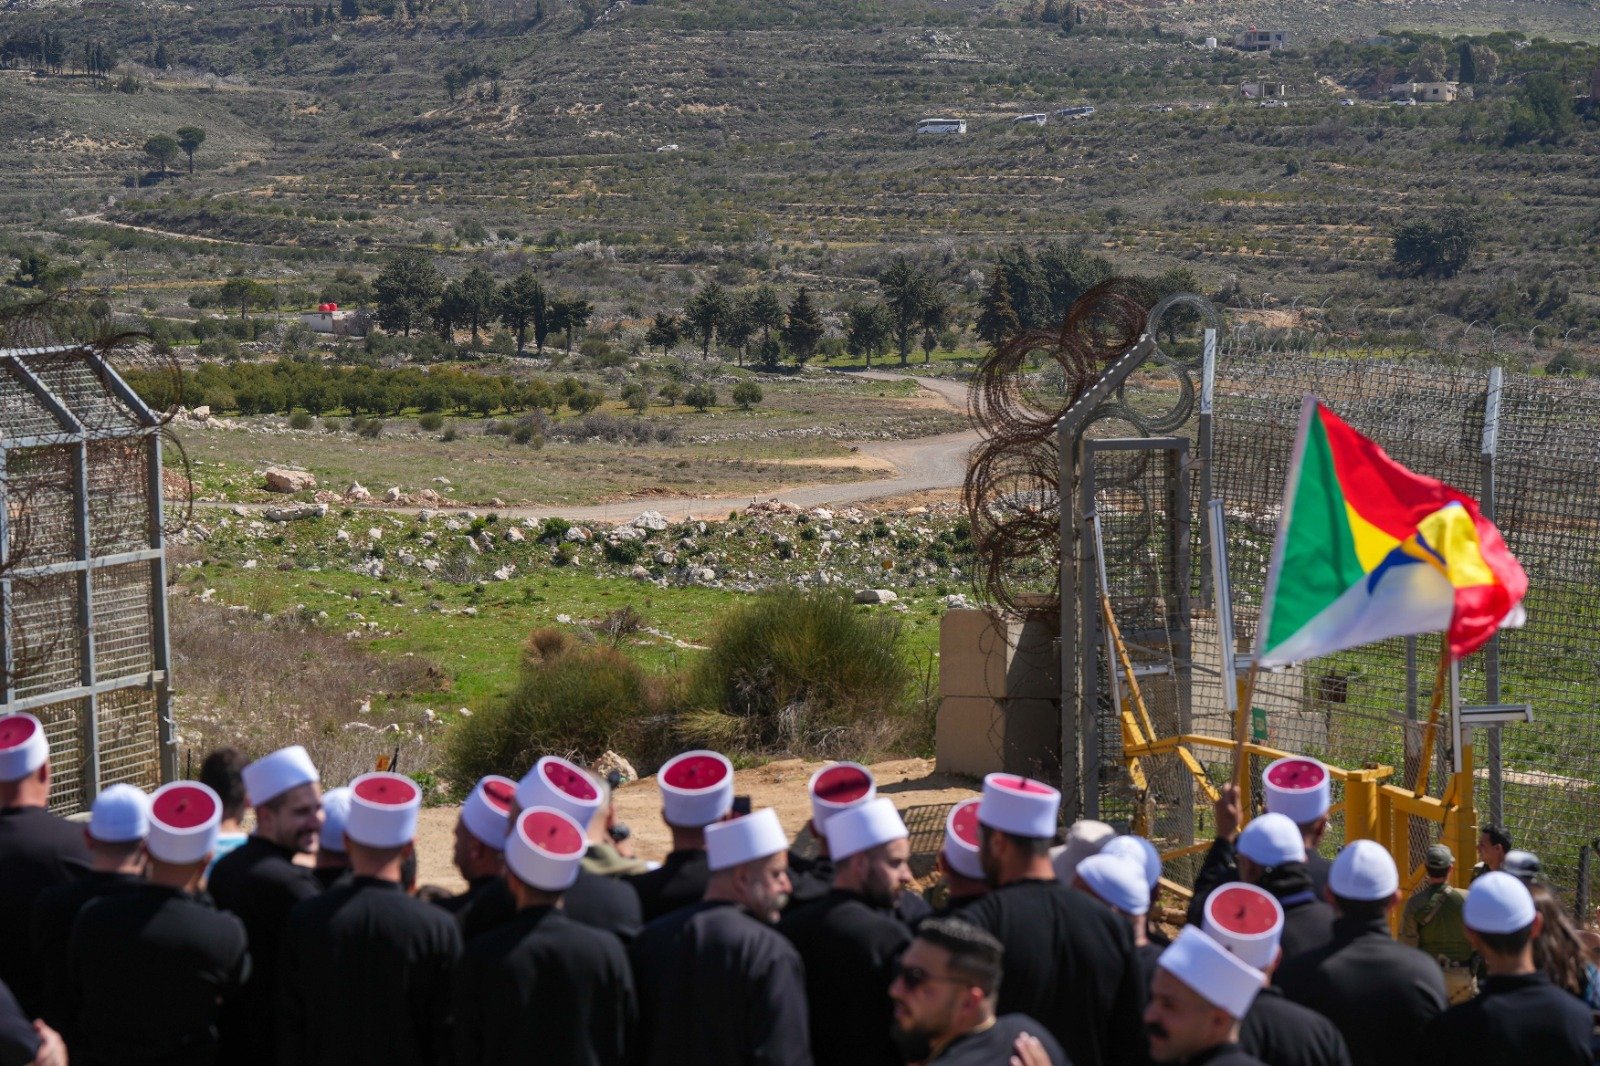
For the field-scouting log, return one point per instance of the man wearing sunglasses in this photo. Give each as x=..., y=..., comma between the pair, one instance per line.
x=944, y=1003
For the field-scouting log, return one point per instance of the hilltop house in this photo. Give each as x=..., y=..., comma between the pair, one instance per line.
x=1426, y=92
x=1264, y=90
x=1254, y=40
x=327, y=318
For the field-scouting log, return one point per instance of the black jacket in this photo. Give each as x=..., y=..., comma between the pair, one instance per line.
x=1280, y=1032
x=595, y=900
x=1377, y=992
x=1514, y=1020
x=53, y=915
x=850, y=949
x=38, y=850
x=678, y=882
x=992, y=1047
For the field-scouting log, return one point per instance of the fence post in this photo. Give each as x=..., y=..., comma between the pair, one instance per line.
x=1491, y=653
x=1580, y=904
x=1361, y=806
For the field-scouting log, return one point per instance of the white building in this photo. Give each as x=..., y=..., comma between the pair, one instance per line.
x=1426, y=92
x=1254, y=40
x=327, y=318
x=942, y=125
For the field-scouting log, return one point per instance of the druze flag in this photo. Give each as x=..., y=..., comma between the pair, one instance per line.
x=1368, y=550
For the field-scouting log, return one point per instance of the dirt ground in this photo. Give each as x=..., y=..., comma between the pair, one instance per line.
x=911, y=783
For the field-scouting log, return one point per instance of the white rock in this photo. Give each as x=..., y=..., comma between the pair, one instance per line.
x=514, y=535
x=876, y=596
x=441, y=481
x=249, y=564
x=425, y=515
x=365, y=707
x=357, y=491
x=625, y=533
x=343, y=536
x=612, y=761
x=639, y=573
x=957, y=602
x=201, y=413
x=577, y=535
x=665, y=558
x=822, y=514
x=392, y=493
x=430, y=565
x=651, y=520
x=279, y=479
x=505, y=572
x=374, y=533
x=564, y=619
x=465, y=712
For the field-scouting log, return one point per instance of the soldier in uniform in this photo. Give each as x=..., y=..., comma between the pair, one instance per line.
x=1432, y=922
x=480, y=839
x=696, y=791
x=149, y=967
x=365, y=969
x=38, y=850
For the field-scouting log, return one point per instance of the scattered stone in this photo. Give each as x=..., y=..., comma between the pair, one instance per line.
x=651, y=520
x=291, y=514
x=430, y=565
x=495, y=501
x=464, y=712
x=441, y=481
x=612, y=761
x=279, y=479
x=470, y=612
x=703, y=575
x=912, y=511
x=957, y=602
x=877, y=596
x=357, y=491
x=505, y=572
x=665, y=558
x=374, y=533
x=639, y=573
x=564, y=619
x=577, y=535
x=821, y=514
x=201, y=413
x=686, y=544
x=515, y=535
x=392, y=494
x=625, y=533
x=425, y=515
x=343, y=536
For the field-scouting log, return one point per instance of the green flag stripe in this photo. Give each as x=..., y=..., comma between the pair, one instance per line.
x=1319, y=556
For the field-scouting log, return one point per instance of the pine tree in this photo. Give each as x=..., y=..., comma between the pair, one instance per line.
x=350, y=10
x=997, y=319
x=804, y=330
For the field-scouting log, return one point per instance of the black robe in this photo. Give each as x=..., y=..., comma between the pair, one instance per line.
x=678, y=882
x=1280, y=1032
x=1225, y=1055
x=1148, y=955
x=1514, y=1020
x=543, y=988
x=992, y=1047
x=260, y=883
x=595, y=900
x=38, y=850
x=19, y=1044
x=718, y=987
x=147, y=970
x=850, y=949
x=1070, y=963
x=1307, y=917
x=53, y=914
x=1377, y=992
x=811, y=879
x=364, y=978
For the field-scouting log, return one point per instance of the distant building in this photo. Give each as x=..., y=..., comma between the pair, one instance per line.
x=1264, y=90
x=942, y=125
x=1038, y=119
x=327, y=318
x=1254, y=40
x=1426, y=92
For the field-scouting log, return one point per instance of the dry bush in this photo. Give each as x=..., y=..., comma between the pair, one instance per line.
x=545, y=645
x=263, y=685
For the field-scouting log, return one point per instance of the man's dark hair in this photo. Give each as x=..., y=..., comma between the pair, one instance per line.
x=1497, y=835
x=222, y=773
x=1507, y=943
x=975, y=955
x=1034, y=846
x=1361, y=910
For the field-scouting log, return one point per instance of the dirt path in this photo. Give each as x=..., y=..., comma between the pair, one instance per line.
x=99, y=219
x=911, y=783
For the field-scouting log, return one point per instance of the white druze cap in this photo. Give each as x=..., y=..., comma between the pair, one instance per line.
x=120, y=815
x=1299, y=787
x=1212, y=972
x=860, y=828
x=555, y=782
x=487, y=811
x=184, y=817
x=383, y=810
x=272, y=775
x=545, y=849
x=1363, y=871
x=1272, y=840
x=745, y=839
x=1498, y=903
x=1140, y=850
x=1116, y=881
x=837, y=787
x=335, y=812
x=1020, y=806
x=1246, y=920
x=23, y=746
x=696, y=789
x=961, y=841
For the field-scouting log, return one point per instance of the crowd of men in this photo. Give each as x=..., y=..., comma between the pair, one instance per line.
x=159, y=932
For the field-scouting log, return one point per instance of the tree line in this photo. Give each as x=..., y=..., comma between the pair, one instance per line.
x=410, y=293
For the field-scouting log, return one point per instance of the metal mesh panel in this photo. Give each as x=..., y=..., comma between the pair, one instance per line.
x=40, y=486
x=76, y=382
x=119, y=495
x=124, y=626
x=63, y=725
x=129, y=739
x=21, y=413
x=45, y=646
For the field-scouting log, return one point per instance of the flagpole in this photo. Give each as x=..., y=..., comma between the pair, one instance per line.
x=1431, y=730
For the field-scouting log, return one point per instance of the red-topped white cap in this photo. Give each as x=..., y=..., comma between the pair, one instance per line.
x=961, y=843
x=23, y=746
x=1299, y=787
x=837, y=787
x=487, y=812
x=1212, y=972
x=545, y=849
x=1020, y=806
x=555, y=782
x=696, y=789
x=383, y=810
x=746, y=839
x=272, y=775
x=866, y=826
x=184, y=817
x=1246, y=920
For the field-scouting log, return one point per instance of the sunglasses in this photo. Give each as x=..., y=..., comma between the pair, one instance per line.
x=914, y=977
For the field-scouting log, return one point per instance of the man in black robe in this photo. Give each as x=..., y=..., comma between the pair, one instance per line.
x=958, y=862
x=118, y=823
x=38, y=850
x=25, y=1043
x=696, y=791
x=850, y=940
x=1069, y=961
x=1271, y=853
x=260, y=882
x=148, y=967
x=1199, y=994
x=480, y=837
x=365, y=969
x=543, y=988
x=944, y=1003
x=1519, y=1016
x=1380, y=994
x=1118, y=881
x=718, y=985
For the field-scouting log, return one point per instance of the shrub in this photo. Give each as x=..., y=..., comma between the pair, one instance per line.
x=746, y=393
x=801, y=673
x=301, y=420
x=450, y=435
x=580, y=701
x=624, y=552
x=553, y=529
x=330, y=425
x=700, y=397
x=431, y=421
x=371, y=427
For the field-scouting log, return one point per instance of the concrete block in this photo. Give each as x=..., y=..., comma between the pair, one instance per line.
x=976, y=736
x=1017, y=659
